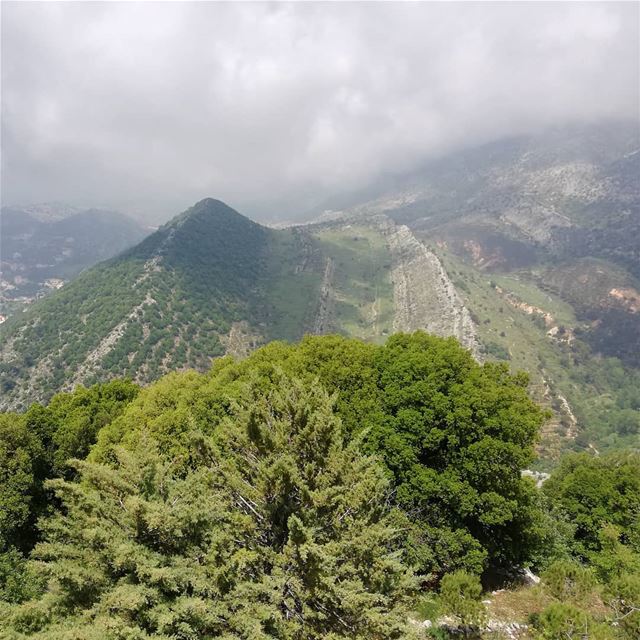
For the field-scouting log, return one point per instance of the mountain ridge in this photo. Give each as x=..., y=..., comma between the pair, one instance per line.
x=446, y=258
x=164, y=303
x=210, y=282
x=40, y=253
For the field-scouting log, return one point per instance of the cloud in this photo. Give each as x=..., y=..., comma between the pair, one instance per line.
x=149, y=107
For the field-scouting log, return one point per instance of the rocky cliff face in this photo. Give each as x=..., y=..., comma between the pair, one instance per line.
x=424, y=295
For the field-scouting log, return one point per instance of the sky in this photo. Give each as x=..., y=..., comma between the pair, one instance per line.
x=274, y=108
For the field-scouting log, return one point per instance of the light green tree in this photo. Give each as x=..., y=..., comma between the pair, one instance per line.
x=273, y=528
x=564, y=621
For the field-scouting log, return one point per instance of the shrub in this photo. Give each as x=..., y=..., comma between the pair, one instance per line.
x=460, y=597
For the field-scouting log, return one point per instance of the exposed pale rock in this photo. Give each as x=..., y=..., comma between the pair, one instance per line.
x=424, y=296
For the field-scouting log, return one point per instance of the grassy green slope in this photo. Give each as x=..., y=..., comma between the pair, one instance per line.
x=602, y=394
x=361, y=282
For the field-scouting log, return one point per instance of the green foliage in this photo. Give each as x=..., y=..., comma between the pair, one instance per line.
x=169, y=302
x=21, y=466
x=285, y=496
x=614, y=559
x=36, y=445
x=623, y=596
x=594, y=491
x=567, y=622
x=453, y=435
x=597, y=592
x=19, y=579
x=274, y=529
x=568, y=580
x=460, y=597
x=69, y=424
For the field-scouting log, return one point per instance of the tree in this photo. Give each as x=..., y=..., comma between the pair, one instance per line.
x=21, y=455
x=21, y=501
x=273, y=528
x=454, y=435
x=618, y=567
x=568, y=580
x=561, y=621
x=460, y=596
x=592, y=492
x=623, y=596
x=35, y=446
x=69, y=424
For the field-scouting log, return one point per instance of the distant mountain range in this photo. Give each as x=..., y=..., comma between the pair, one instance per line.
x=526, y=250
x=43, y=246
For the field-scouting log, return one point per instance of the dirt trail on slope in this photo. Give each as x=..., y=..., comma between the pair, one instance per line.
x=322, y=323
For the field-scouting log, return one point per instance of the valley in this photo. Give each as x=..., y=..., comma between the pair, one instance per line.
x=320, y=321
x=44, y=246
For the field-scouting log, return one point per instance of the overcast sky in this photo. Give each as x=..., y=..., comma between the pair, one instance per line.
x=148, y=107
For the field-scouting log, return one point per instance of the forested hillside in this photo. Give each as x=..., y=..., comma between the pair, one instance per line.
x=524, y=250
x=167, y=303
x=330, y=489
x=212, y=282
x=388, y=389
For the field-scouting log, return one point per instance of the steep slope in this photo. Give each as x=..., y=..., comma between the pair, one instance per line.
x=526, y=250
x=540, y=237
x=212, y=282
x=169, y=302
x=380, y=279
x=40, y=248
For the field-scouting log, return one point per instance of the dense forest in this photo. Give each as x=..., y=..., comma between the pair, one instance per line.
x=327, y=489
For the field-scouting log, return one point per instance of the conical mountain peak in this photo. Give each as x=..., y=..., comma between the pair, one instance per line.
x=209, y=209
x=210, y=228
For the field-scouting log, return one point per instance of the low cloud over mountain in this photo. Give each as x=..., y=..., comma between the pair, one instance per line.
x=275, y=107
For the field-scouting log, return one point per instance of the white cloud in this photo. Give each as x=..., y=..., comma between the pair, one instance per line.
x=273, y=107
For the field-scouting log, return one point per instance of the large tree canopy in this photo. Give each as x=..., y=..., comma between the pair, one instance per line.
x=272, y=528
x=454, y=435
x=304, y=492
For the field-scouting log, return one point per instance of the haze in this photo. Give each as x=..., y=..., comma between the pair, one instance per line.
x=148, y=107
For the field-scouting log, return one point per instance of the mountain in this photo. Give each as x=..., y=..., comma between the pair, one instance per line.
x=541, y=237
x=212, y=282
x=525, y=250
x=43, y=246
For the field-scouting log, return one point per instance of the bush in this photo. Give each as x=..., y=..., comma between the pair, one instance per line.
x=460, y=597
x=568, y=580
x=560, y=621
